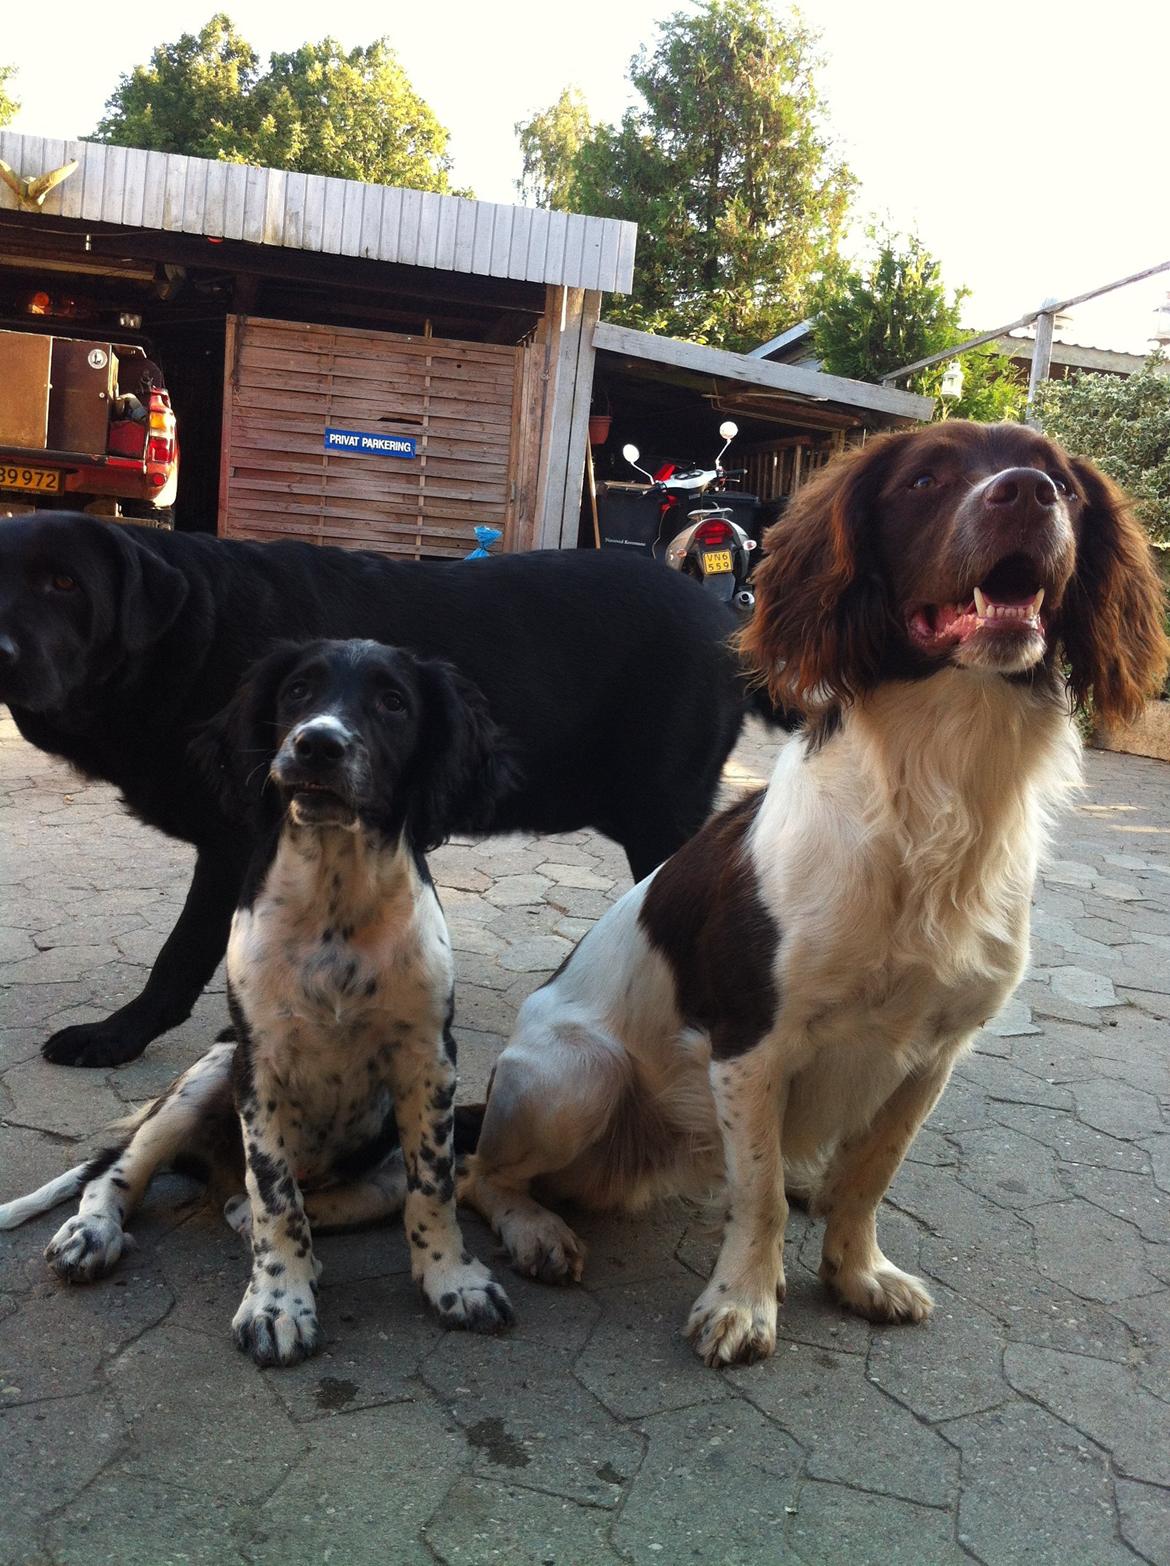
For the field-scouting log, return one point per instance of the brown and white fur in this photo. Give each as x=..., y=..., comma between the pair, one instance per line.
x=336, y=1100
x=781, y=1003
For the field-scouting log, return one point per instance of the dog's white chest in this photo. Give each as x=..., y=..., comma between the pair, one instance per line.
x=333, y=988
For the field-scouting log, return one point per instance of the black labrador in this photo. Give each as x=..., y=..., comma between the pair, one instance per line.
x=612, y=676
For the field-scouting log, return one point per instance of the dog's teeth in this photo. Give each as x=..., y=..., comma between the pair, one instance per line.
x=1037, y=601
x=980, y=603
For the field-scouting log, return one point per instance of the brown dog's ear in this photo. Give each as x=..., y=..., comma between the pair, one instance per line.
x=822, y=614
x=1112, y=620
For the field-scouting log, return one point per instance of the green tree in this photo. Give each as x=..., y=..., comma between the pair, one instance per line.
x=9, y=106
x=355, y=115
x=1122, y=424
x=727, y=166
x=894, y=308
x=319, y=109
x=549, y=145
x=193, y=97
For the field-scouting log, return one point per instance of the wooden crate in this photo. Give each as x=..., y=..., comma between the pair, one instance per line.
x=463, y=403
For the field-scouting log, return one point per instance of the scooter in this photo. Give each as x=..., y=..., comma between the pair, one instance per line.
x=712, y=547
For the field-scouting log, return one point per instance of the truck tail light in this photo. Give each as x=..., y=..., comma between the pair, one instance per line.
x=160, y=439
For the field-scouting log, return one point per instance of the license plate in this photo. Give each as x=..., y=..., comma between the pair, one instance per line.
x=46, y=480
x=716, y=560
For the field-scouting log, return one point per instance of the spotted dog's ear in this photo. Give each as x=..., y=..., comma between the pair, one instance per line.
x=234, y=749
x=464, y=764
x=822, y=612
x=1112, y=620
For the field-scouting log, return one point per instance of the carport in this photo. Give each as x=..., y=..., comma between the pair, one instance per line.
x=669, y=397
x=291, y=312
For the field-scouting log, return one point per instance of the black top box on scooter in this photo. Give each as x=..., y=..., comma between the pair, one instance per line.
x=628, y=517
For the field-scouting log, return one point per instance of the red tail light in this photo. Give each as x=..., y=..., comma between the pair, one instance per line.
x=160, y=439
x=713, y=534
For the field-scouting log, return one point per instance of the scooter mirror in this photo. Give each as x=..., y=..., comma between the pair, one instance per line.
x=631, y=453
x=729, y=429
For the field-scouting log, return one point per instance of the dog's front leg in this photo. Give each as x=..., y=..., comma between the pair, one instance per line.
x=734, y=1319
x=184, y=965
x=277, y=1319
x=460, y=1290
x=852, y=1263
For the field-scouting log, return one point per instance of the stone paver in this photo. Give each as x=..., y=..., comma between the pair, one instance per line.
x=1028, y=1422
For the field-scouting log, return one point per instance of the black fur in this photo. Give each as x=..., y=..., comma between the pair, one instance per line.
x=611, y=675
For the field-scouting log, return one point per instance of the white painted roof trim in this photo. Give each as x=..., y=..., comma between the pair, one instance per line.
x=792, y=335
x=314, y=213
x=791, y=378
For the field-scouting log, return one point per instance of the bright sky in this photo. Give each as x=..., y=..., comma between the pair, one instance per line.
x=1025, y=139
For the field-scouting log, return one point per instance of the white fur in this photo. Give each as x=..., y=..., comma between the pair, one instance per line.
x=897, y=860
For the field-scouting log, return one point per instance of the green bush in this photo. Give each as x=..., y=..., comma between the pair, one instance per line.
x=1123, y=425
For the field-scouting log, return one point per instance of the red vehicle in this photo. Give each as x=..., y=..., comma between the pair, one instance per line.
x=85, y=425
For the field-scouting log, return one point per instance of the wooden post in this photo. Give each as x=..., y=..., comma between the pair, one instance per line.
x=1041, y=360
x=593, y=496
x=573, y=314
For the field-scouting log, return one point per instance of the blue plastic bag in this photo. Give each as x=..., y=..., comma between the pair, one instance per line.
x=485, y=537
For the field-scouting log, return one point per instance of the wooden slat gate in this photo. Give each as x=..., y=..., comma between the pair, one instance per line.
x=287, y=382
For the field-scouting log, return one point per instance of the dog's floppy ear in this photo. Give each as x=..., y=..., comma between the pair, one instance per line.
x=464, y=765
x=1112, y=620
x=822, y=615
x=149, y=592
x=234, y=749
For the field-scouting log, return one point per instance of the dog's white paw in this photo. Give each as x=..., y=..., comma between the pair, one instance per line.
x=728, y=1329
x=237, y=1212
x=881, y=1292
x=465, y=1295
x=277, y=1326
x=86, y=1247
x=540, y=1245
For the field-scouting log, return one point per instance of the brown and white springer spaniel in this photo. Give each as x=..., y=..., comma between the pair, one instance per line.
x=782, y=1002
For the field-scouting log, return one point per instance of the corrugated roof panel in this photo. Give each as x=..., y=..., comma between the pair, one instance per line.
x=130, y=188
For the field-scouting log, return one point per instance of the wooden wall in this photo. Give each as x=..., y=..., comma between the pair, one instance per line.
x=475, y=410
x=783, y=466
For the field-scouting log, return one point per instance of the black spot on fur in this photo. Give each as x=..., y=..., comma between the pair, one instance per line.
x=268, y=1175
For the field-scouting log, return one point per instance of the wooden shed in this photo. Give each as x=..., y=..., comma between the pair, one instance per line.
x=349, y=363
x=668, y=397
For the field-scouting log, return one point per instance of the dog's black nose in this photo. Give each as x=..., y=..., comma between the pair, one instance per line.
x=9, y=651
x=320, y=742
x=1021, y=488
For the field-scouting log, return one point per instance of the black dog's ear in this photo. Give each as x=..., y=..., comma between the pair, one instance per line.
x=150, y=592
x=234, y=749
x=465, y=764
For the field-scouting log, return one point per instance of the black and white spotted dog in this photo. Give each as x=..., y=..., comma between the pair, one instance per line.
x=350, y=759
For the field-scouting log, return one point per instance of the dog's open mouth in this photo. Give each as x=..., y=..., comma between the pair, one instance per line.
x=1005, y=605
x=316, y=804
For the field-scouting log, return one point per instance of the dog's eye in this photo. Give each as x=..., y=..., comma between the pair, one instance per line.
x=390, y=701
x=297, y=691
x=1062, y=485
x=923, y=481
x=62, y=584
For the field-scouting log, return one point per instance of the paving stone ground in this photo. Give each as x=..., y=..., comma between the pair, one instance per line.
x=1028, y=1422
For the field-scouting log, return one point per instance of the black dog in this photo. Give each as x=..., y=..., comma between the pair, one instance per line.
x=347, y=760
x=611, y=675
